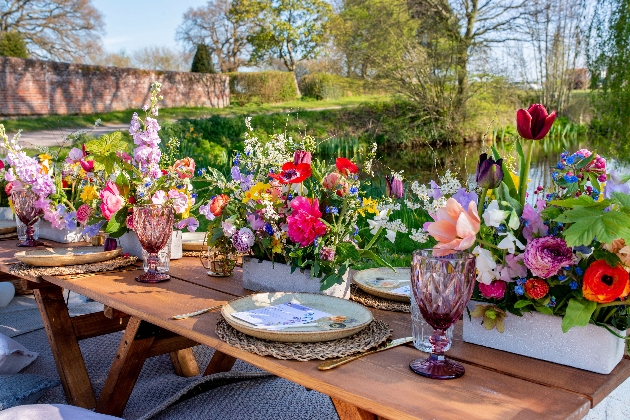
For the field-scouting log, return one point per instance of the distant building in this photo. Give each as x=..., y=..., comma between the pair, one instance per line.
x=579, y=79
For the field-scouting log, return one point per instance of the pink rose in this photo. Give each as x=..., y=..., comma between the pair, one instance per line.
x=112, y=201
x=83, y=213
x=495, y=290
x=304, y=222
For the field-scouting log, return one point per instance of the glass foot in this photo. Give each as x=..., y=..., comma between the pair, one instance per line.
x=153, y=277
x=437, y=367
x=30, y=243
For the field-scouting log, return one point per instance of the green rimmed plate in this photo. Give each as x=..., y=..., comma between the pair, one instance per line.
x=381, y=281
x=57, y=257
x=7, y=226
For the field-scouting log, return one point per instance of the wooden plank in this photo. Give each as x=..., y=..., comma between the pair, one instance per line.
x=190, y=269
x=400, y=393
x=95, y=324
x=122, y=377
x=220, y=362
x=184, y=362
x=65, y=348
x=112, y=313
x=347, y=411
x=169, y=344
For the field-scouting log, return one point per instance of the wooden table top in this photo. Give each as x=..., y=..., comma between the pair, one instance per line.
x=496, y=384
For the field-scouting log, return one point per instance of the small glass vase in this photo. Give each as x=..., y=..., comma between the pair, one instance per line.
x=442, y=286
x=218, y=263
x=153, y=223
x=28, y=214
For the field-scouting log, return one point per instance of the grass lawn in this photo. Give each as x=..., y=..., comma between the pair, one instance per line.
x=123, y=117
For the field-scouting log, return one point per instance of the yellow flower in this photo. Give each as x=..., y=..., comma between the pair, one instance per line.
x=276, y=244
x=255, y=192
x=369, y=205
x=89, y=193
x=11, y=205
x=44, y=161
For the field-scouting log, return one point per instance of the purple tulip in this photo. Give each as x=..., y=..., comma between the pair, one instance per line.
x=534, y=124
x=301, y=156
x=489, y=172
x=394, y=186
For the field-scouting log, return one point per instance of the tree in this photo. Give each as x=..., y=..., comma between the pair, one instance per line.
x=202, y=62
x=291, y=30
x=160, y=58
x=216, y=26
x=53, y=29
x=12, y=45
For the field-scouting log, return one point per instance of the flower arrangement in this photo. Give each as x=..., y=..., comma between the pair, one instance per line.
x=283, y=205
x=563, y=252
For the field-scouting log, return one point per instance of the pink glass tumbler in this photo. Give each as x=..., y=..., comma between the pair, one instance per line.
x=442, y=286
x=153, y=223
x=25, y=210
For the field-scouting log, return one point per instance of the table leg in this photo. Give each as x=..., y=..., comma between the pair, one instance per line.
x=350, y=412
x=184, y=362
x=130, y=357
x=65, y=347
x=220, y=362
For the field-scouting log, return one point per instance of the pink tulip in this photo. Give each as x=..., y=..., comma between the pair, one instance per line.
x=112, y=201
x=455, y=228
x=534, y=124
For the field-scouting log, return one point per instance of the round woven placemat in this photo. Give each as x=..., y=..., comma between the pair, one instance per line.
x=374, y=334
x=25, y=270
x=359, y=296
x=195, y=254
x=7, y=236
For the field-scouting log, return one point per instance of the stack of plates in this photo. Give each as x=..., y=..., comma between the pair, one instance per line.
x=57, y=257
x=350, y=317
x=7, y=226
x=381, y=281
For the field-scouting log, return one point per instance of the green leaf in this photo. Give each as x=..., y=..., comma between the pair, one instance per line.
x=621, y=199
x=611, y=259
x=581, y=201
x=551, y=212
x=578, y=314
x=117, y=226
x=104, y=149
x=586, y=161
x=347, y=251
x=591, y=222
x=366, y=253
x=523, y=303
x=505, y=193
x=544, y=309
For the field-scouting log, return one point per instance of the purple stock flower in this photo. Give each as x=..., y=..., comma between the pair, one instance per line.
x=489, y=172
x=464, y=198
x=546, y=256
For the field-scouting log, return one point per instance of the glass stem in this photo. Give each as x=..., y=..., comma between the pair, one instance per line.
x=439, y=342
x=153, y=261
x=30, y=231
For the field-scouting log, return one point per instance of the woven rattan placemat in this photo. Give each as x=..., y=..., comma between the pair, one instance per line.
x=374, y=334
x=24, y=270
x=359, y=296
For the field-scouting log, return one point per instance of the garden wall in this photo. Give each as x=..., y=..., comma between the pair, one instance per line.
x=34, y=87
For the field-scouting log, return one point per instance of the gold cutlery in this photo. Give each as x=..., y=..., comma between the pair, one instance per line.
x=199, y=312
x=333, y=363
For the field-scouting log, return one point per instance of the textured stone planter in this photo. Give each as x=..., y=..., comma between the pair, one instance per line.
x=540, y=336
x=265, y=276
x=6, y=213
x=65, y=236
x=131, y=245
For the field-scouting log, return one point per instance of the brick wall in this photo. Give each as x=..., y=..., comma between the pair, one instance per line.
x=34, y=87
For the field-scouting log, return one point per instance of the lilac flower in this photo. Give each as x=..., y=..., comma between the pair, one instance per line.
x=464, y=198
x=546, y=256
x=327, y=253
x=191, y=223
x=534, y=224
x=243, y=239
x=437, y=193
x=92, y=230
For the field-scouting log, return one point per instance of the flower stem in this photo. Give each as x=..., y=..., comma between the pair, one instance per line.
x=482, y=200
x=522, y=188
x=487, y=244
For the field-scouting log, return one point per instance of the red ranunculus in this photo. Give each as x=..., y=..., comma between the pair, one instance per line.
x=218, y=203
x=536, y=288
x=603, y=283
x=346, y=167
x=534, y=124
x=292, y=173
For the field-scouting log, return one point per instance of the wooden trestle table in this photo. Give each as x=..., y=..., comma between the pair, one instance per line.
x=496, y=385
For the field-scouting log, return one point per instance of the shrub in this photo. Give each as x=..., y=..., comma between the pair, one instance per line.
x=12, y=45
x=262, y=87
x=202, y=62
x=330, y=86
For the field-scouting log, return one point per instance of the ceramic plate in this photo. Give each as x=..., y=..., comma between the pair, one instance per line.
x=356, y=316
x=7, y=226
x=193, y=241
x=56, y=257
x=380, y=281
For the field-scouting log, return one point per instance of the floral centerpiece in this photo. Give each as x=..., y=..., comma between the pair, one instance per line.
x=281, y=205
x=561, y=252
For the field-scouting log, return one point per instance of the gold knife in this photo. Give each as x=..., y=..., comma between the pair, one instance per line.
x=333, y=363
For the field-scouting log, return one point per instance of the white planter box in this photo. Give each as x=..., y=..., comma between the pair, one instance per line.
x=265, y=276
x=131, y=245
x=6, y=213
x=65, y=236
x=540, y=336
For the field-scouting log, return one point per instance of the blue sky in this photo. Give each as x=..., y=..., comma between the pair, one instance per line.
x=133, y=24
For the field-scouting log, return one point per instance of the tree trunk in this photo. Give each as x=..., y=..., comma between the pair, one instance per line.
x=297, y=87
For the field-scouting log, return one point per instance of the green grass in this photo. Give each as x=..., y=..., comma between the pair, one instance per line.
x=172, y=114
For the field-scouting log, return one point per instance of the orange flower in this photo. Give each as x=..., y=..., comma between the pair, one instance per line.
x=218, y=203
x=454, y=228
x=603, y=283
x=536, y=288
x=185, y=168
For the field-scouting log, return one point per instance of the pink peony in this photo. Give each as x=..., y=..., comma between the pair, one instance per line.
x=112, y=201
x=494, y=290
x=304, y=222
x=454, y=228
x=83, y=213
x=546, y=256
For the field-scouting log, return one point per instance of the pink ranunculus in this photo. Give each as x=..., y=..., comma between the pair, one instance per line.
x=494, y=290
x=546, y=256
x=112, y=201
x=83, y=213
x=454, y=228
x=159, y=197
x=304, y=222
x=331, y=181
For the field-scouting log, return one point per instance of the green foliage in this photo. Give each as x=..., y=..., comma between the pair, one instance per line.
x=202, y=62
x=329, y=86
x=104, y=150
x=578, y=313
x=262, y=87
x=587, y=223
x=12, y=45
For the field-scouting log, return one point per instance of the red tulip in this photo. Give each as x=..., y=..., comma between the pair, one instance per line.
x=535, y=123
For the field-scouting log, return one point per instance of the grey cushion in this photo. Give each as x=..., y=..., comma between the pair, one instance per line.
x=13, y=356
x=23, y=388
x=52, y=412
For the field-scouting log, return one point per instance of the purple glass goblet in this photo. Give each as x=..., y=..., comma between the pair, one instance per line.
x=25, y=210
x=153, y=223
x=442, y=286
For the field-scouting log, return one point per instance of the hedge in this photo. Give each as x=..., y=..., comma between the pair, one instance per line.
x=330, y=86
x=262, y=87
